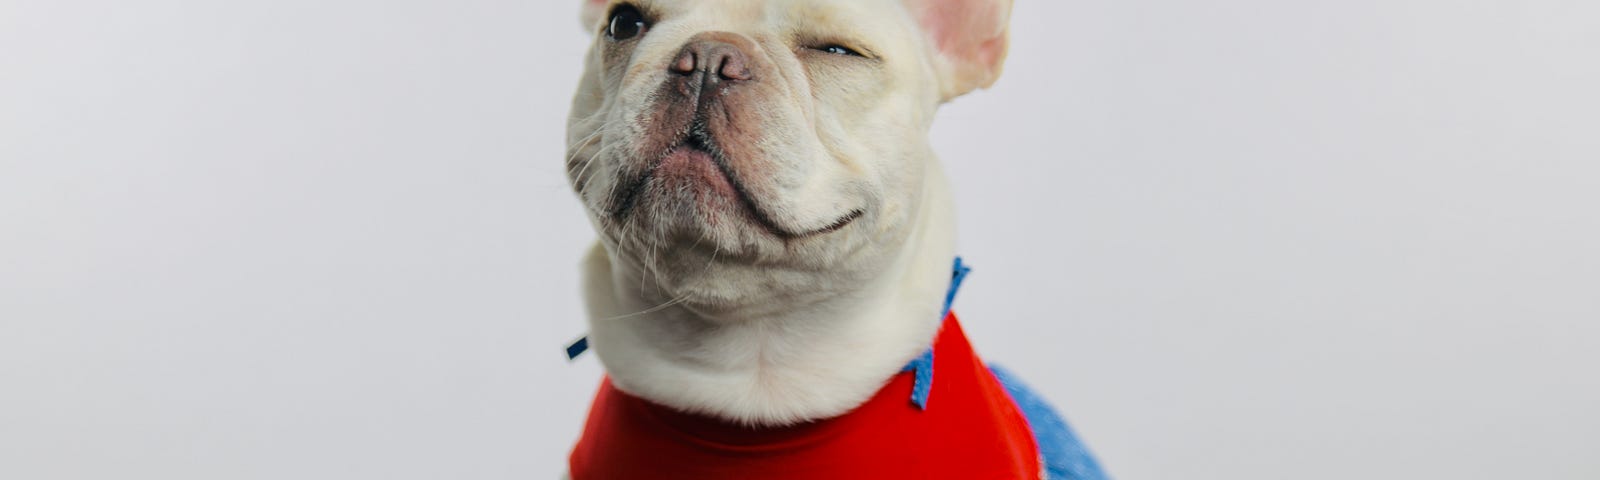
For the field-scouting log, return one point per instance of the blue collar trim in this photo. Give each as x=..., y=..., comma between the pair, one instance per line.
x=577, y=348
x=922, y=366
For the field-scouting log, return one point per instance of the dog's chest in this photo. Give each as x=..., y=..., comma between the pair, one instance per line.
x=970, y=428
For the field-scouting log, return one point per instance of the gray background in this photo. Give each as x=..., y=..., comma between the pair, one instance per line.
x=1236, y=239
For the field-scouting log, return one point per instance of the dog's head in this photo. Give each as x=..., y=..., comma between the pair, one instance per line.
x=728, y=148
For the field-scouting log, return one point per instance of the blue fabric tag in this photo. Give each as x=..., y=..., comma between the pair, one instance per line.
x=577, y=348
x=922, y=366
x=922, y=378
x=958, y=273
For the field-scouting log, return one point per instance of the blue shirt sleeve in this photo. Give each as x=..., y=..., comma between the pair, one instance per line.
x=1065, y=457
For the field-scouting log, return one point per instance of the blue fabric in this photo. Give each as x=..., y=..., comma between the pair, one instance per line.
x=958, y=274
x=577, y=348
x=1065, y=457
x=922, y=366
x=921, y=378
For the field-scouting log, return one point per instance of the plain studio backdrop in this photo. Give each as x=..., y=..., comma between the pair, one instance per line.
x=1237, y=239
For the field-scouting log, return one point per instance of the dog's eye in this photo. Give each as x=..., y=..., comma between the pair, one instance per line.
x=840, y=50
x=626, y=23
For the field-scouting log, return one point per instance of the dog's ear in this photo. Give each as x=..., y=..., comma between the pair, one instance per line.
x=590, y=14
x=970, y=37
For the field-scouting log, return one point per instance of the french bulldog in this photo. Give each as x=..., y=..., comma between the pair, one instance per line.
x=775, y=241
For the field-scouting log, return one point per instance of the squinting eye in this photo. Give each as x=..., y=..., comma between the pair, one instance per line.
x=626, y=23
x=840, y=50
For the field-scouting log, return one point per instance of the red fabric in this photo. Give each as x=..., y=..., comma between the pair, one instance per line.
x=971, y=430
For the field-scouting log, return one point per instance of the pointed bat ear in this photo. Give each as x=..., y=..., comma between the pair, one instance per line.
x=971, y=38
x=590, y=13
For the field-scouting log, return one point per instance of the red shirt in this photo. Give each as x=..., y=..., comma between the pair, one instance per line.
x=970, y=430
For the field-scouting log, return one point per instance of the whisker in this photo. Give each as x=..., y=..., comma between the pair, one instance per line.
x=654, y=309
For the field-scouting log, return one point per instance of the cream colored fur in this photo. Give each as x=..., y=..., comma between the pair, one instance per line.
x=704, y=311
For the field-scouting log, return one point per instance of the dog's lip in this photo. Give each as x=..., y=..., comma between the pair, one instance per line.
x=703, y=144
x=837, y=224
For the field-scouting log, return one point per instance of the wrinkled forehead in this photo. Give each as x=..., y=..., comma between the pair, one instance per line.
x=855, y=18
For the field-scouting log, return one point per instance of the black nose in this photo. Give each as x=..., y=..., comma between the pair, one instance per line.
x=708, y=62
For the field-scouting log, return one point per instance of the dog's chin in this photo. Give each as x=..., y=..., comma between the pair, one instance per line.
x=690, y=194
x=685, y=196
x=695, y=208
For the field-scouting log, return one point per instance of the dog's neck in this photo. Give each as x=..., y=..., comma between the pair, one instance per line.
x=791, y=363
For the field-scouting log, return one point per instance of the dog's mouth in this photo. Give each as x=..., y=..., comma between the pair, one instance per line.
x=697, y=160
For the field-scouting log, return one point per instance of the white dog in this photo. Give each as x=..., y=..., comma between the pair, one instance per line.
x=776, y=242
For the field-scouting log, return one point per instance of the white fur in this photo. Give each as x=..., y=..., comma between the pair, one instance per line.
x=792, y=362
x=692, y=307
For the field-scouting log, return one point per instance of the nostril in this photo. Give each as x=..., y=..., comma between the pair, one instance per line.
x=731, y=64
x=733, y=68
x=711, y=61
x=736, y=74
x=684, y=63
